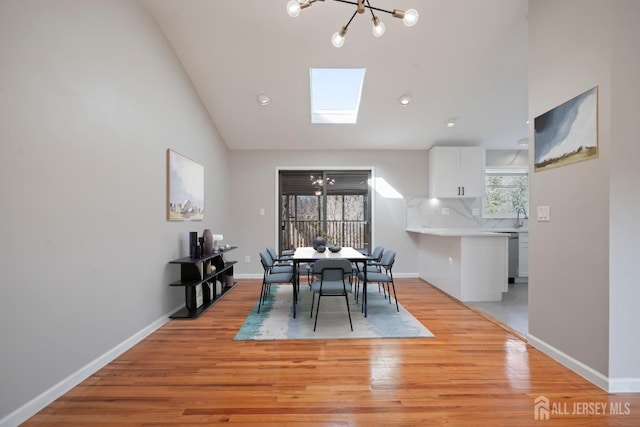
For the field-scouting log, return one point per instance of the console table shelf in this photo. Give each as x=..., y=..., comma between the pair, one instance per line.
x=198, y=276
x=208, y=277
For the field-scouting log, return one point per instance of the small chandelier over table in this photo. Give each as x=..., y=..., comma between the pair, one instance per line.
x=410, y=17
x=318, y=183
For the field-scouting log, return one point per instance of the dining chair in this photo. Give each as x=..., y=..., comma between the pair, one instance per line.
x=384, y=276
x=286, y=260
x=373, y=265
x=331, y=279
x=271, y=276
x=275, y=266
x=279, y=259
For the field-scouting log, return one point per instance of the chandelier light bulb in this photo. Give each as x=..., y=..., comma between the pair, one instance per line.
x=337, y=40
x=410, y=17
x=378, y=27
x=293, y=8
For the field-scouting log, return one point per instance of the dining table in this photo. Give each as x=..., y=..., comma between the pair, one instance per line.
x=308, y=254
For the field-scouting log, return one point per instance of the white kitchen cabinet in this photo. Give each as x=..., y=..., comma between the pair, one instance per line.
x=523, y=254
x=456, y=172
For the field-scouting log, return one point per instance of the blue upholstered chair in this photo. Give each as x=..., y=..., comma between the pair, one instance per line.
x=331, y=278
x=272, y=275
x=384, y=276
x=279, y=259
x=373, y=265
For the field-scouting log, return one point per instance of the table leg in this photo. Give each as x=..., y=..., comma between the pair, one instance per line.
x=364, y=290
x=295, y=287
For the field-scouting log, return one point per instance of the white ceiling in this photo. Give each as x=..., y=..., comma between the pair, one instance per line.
x=465, y=59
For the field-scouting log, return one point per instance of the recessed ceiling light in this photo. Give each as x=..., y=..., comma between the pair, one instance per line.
x=263, y=99
x=405, y=100
x=451, y=123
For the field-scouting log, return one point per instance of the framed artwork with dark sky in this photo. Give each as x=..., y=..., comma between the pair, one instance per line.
x=567, y=133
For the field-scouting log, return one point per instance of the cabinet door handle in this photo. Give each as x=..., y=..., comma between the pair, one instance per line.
x=463, y=191
x=458, y=191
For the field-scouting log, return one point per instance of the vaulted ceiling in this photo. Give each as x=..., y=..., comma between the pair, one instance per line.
x=464, y=60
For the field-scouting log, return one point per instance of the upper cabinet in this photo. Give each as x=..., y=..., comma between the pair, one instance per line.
x=456, y=172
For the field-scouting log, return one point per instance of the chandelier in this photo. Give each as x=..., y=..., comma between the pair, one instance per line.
x=410, y=17
x=319, y=182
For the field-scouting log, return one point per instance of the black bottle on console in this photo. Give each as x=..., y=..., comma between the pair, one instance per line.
x=193, y=243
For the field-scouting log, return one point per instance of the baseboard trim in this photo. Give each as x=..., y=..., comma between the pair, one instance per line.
x=247, y=276
x=576, y=366
x=608, y=384
x=406, y=276
x=32, y=407
x=624, y=385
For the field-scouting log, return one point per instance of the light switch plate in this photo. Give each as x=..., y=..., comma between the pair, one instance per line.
x=445, y=211
x=261, y=211
x=543, y=214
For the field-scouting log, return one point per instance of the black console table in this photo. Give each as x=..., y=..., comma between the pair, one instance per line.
x=200, y=275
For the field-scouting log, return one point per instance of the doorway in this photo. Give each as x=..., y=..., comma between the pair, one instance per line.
x=335, y=204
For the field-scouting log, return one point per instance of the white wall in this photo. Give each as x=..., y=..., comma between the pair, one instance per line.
x=507, y=158
x=569, y=53
x=91, y=97
x=624, y=198
x=253, y=187
x=582, y=302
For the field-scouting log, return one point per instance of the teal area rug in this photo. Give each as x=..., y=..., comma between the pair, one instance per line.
x=275, y=320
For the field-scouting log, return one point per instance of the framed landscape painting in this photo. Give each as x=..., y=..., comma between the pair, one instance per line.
x=568, y=133
x=185, y=188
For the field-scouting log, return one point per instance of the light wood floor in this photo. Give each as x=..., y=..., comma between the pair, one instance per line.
x=473, y=372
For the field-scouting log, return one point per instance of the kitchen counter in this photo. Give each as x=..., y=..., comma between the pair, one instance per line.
x=467, y=231
x=468, y=264
x=506, y=230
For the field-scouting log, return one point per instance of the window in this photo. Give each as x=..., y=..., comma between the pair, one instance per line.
x=335, y=94
x=507, y=190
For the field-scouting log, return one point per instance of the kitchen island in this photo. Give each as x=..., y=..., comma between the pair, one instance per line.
x=468, y=264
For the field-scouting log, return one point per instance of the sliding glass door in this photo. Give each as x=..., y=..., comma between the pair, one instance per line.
x=335, y=204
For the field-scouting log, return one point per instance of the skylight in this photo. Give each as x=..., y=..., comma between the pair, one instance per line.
x=335, y=94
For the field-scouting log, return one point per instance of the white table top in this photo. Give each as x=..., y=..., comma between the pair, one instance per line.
x=308, y=253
